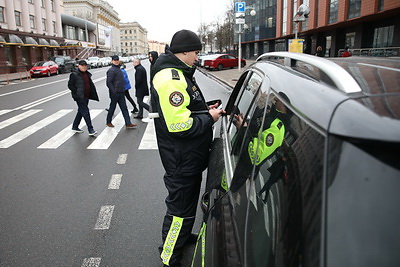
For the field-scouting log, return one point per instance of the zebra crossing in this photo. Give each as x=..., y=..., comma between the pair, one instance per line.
x=102, y=141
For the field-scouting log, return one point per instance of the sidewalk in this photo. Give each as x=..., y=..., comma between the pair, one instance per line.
x=9, y=77
x=228, y=77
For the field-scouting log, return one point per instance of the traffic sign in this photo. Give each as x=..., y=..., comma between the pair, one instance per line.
x=240, y=18
x=240, y=7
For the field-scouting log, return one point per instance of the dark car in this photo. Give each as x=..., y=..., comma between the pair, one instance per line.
x=44, y=68
x=65, y=63
x=306, y=170
x=223, y=61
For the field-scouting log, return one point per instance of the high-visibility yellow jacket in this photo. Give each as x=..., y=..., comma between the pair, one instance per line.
x=184, y=126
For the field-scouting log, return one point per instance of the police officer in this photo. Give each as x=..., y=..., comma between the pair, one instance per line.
x=263, y=144
x=184, y=135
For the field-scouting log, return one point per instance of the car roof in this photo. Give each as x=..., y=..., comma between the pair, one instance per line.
x=356, y=97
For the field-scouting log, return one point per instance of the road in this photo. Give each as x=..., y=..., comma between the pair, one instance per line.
x=75, y=200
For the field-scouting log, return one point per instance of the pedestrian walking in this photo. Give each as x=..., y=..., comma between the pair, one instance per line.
x=127, y=87
x=141, y=87
x=82, y=89
x=184, y=135
x=116, y=88
x=153, y=56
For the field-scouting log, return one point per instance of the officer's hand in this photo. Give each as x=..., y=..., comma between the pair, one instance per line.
x=216, y=113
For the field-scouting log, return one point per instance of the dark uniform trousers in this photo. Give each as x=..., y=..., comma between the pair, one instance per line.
x=182, y=200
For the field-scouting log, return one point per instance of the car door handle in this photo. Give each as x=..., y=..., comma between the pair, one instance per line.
x=205, y=201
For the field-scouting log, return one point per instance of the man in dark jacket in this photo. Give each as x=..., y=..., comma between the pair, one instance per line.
x=184, y=135
x=116, y=88
x=153, y=56
x=82, y=89
x=141, y=87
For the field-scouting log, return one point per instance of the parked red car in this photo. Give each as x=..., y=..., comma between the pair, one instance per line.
x=44, y=68
x=223, y=61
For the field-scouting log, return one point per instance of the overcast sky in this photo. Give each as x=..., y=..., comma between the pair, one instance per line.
x=162, y=18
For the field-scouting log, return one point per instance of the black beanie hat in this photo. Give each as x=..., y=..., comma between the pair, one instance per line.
x=184, y=41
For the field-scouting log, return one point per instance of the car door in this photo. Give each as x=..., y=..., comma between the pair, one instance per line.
x=222, y=233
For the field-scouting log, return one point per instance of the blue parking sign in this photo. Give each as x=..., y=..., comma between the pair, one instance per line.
x=240, y=7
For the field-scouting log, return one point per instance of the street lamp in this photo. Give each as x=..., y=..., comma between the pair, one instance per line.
x=241, y=30
x=301, y=15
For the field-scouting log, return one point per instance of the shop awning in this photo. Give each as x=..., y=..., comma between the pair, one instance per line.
x=30, y=41
x=14, y=39
x=54, y=43
x=43, y=42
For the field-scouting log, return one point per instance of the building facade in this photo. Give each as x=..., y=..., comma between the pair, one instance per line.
x=103, y=15
x=159, y=47
x=133, y=39
x=364, y=26
x=30, y=31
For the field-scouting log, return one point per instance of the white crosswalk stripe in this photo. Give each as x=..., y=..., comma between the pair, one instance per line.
x=18, y=118
x=107, y=136
x=103, y=140
x=21, y=135
x=66, y=133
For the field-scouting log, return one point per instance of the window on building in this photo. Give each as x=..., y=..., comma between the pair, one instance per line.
x=54, y=26
x=354, y=9
x=2, y=14
x=126, y=44
x=30, y=1
x=380, y=5
x=32, y=21
x=42, y=3
x=383, y=37
x=17, y=18
x=52, y=5
x=44, y=24
x=333, y=11
x=304, y=24
x=350, y=38
x=284, y=17
x=70, y=33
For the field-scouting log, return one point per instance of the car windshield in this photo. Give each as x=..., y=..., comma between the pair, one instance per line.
x=41, y=63
x=59, y=60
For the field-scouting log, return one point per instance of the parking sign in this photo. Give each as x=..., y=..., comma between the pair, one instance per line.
x=240, y=7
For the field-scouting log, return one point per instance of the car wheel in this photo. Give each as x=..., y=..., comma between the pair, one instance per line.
x=57, y=72
x=220, y=67
x=242, y=64
x=48, y=74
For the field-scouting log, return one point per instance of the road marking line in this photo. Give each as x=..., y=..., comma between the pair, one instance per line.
x=149, y=139
x=66, y=133
x=107, y=136
x=21, y=135
x=43, y=100
x=19, y=118
x=122, y=159
x=91, y=262
x=104, y=219
x=29, y=88
x=115, y=181
x=5, y=111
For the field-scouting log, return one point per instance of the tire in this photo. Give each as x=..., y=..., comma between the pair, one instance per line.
x=48, y=74
x=220, y=67
x=242, y=64
x=57, y=72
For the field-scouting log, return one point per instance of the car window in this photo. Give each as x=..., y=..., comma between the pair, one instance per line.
x=243, y=104
x=284, y=215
